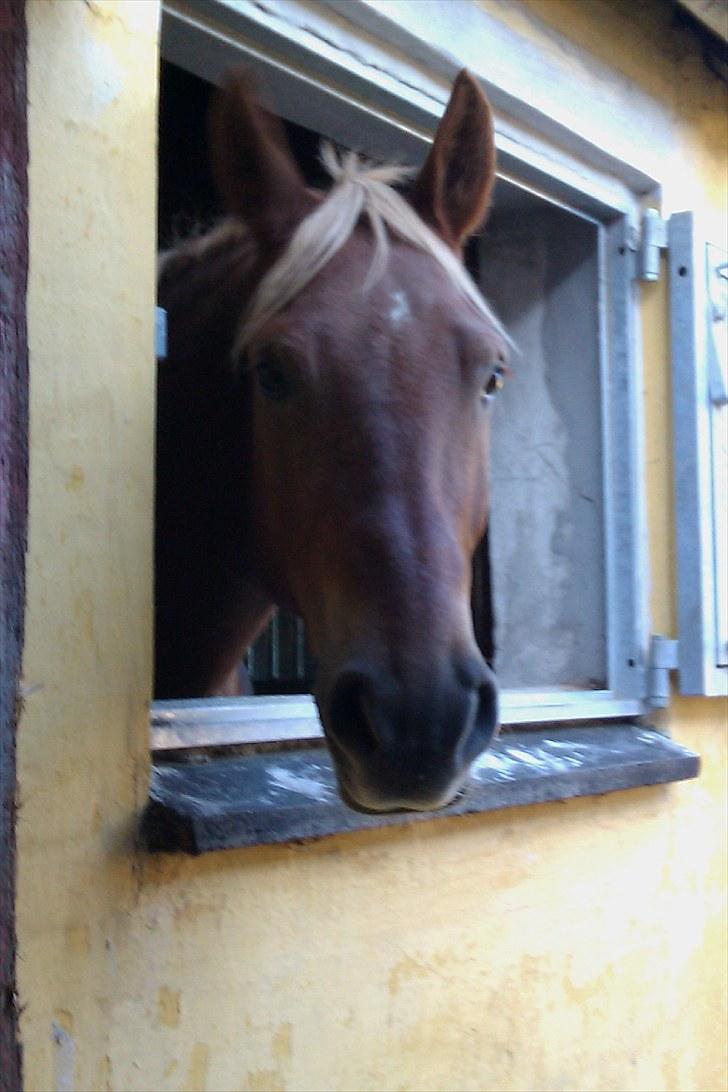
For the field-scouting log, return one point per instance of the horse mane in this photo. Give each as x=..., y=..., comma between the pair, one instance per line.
x=202, y=242
x=360, y=189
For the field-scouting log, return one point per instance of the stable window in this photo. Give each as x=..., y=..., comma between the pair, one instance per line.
x=559, y=589
x=563, y=647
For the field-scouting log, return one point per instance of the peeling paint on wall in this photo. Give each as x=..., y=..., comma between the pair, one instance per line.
x=168, y=1007
x=64, y=1055
x=196, y=1079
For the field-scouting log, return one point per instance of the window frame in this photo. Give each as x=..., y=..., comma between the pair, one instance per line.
x=350, y=91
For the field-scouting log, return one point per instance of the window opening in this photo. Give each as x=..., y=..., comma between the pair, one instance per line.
x=539, y=580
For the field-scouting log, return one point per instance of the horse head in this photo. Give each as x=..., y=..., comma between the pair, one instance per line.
x=372, y=361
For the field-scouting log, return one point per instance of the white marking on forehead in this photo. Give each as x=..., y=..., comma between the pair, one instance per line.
x=400, y=310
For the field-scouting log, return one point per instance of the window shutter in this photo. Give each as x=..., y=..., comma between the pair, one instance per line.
x=699, y=330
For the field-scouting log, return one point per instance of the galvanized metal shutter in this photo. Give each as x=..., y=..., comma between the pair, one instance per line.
x=699, y=329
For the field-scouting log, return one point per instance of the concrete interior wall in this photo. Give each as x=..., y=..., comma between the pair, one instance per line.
x=565, y=946
x=539, y=268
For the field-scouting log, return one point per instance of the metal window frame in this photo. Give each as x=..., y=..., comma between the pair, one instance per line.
x=693, y=420
x=362, y=77
x=360, y=103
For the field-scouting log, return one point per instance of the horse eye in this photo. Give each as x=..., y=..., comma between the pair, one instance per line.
x=272, y=379
x=493, y=384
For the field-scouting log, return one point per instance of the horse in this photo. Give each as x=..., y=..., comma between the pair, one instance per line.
x=322, y=442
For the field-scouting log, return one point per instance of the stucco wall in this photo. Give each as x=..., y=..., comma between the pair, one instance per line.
x=566, y=946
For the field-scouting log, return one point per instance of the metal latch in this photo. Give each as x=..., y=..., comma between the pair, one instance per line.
x=160, y=333
x=652, y=241
x=663, y=660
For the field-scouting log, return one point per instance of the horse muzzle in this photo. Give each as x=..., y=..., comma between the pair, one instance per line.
x=399, y=746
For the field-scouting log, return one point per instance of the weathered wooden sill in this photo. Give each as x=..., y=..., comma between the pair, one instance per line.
x=200, y=805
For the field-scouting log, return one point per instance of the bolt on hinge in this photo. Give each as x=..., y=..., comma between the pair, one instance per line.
x=663, y=660
x=652, y=240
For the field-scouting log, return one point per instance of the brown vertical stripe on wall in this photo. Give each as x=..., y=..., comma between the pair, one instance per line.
x=13, y=486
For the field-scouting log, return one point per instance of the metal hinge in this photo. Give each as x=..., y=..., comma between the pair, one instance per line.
x=663, y=660
x=653, y=240
x=160, y=333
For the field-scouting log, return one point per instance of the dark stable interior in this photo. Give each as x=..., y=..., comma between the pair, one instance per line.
x=279, y=662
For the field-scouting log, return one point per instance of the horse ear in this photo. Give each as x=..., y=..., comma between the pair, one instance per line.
x=453, y=189
x=252, y=164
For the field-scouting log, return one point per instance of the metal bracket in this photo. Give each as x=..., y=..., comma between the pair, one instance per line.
x=652, y=241
x=160, y=333
x=663, y=660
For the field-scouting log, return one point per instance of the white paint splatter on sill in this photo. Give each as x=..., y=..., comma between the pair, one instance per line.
x=282, y=779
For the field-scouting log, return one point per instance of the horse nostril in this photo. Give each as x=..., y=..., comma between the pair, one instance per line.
x=487, y=716
x=350, y=722
x=481, y=722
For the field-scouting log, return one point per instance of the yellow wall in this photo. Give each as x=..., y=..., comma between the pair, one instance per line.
x=565, y=946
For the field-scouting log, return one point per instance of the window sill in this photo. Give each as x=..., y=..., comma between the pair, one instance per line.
x=291, y=795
